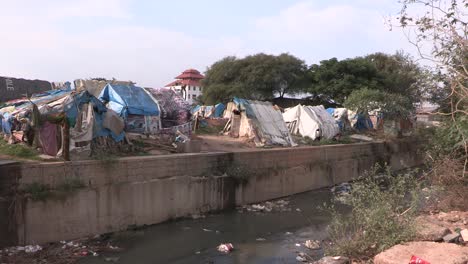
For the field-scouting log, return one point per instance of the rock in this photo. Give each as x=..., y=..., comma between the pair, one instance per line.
x=464, y=234
x=451, y=238
x=333, y=260
x=430, y=230
x=430, y=251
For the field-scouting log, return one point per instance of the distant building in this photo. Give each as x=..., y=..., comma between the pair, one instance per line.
x=13, y=88
x=188, y=85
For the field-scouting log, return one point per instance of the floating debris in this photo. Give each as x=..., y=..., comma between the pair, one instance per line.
x=225, y=248
x=312, y=244
x=266, y=207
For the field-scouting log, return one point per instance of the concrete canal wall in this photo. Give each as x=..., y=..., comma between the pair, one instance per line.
x=95, y=197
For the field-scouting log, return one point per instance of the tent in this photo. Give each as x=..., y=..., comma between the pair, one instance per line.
x=135, y=105
x=87, y=117
x=341, y=117
x=311, y=121
x=260, y=121
x=209, y=111
x=174, y=111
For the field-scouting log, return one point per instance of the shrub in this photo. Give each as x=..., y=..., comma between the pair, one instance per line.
x=382, y=206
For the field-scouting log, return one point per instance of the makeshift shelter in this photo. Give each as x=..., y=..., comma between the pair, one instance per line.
x=311, y=121
x=360, y=121
x=209, y=111
x=259, y=121
x=174, y=111
x=46, y=119
x=341, y=118
x=139, y=110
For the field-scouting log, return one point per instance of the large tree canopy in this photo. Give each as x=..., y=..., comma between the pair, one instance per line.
x=337, y=79
x=259, y=76
x=368, y=80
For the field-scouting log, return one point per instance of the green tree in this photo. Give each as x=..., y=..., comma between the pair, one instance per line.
x=391, y=105
x=260, y=76
x=337, y=79
x=393, y=74
x=439, y=31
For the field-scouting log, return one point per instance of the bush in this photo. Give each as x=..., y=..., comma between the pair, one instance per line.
x=383, y=208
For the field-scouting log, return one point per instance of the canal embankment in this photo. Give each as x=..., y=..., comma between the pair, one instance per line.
x=66, y=200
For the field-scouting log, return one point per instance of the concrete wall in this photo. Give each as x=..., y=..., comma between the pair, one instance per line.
x=150, y=190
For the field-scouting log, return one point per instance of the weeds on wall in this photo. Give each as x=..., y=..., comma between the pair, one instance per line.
x=41, y=192
x=383, y=208
x=239, y=173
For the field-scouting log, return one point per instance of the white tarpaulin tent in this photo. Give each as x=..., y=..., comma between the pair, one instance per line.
x=260, y=121
x=311, y=121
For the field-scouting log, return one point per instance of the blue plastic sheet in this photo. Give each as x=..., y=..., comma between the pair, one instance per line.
x=128, y=100
x=219, y=110
x=363, y=122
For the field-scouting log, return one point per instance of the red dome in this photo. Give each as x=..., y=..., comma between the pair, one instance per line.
x=190, y=74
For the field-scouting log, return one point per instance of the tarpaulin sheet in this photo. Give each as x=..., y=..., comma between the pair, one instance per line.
x=48, y=138
x=174, y=109
x=263, y=120
x=128, y=100
x=311, y=121
x=219, y=109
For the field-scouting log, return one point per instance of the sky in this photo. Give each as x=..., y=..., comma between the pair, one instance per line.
x=152, y=41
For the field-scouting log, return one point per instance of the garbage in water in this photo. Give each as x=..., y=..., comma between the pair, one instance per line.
x=288, y=233
x=270, y=206
x=301, y=259
x=260, y=239
x=312, y=244
x=207, y=230
x=341, y=189
x=112, y=259
x=417, y=260
x=225, y=248
x=298, y=245
x=32, y=249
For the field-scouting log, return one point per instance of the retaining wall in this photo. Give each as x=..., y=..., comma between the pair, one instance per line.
x=149, y=190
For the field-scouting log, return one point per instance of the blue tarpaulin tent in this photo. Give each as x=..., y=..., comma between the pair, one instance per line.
x=219, y=110
x=129, y=100
x=139, y=110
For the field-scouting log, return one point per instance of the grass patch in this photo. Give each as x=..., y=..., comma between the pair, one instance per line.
x=383, y=208
x=18, y=150
x=342, y=140
x=209, y=130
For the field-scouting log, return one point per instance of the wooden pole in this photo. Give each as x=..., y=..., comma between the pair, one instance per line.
x=66, y=139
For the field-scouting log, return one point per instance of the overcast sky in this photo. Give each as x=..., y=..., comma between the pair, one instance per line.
x=151, y=41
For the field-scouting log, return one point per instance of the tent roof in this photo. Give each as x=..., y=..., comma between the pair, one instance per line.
x=129, y=99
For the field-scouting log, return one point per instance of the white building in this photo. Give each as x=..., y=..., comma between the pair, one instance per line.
x=188, y=85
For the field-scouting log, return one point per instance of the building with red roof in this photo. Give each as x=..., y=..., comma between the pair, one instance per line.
x=188, y=84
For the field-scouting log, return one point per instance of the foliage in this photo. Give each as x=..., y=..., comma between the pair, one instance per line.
x=383, y=207
x=209, y=130
x=17, y=150
x=337, y=79
x=441, y=28
x=37, y=191
x=391, y=105
x=395, y=74
x=258, y=76
x=239, y=173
